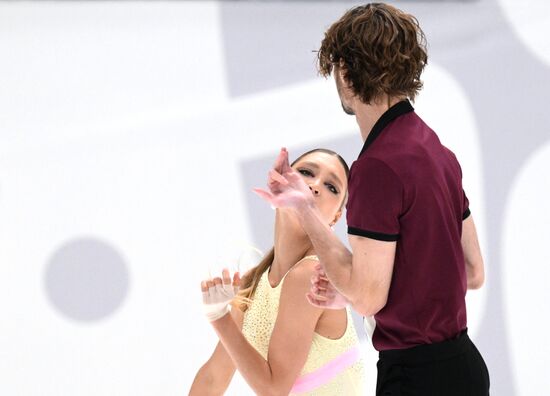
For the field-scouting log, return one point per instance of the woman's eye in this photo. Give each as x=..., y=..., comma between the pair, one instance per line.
x=332, y=189
x=305, y=172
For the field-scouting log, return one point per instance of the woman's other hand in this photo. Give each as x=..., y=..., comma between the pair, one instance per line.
x=217, y=294
x=323, y=294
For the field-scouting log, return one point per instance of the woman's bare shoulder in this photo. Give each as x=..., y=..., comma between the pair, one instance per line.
x=299, y=276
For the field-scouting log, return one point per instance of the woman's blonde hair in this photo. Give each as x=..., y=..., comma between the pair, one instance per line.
x=250, y=280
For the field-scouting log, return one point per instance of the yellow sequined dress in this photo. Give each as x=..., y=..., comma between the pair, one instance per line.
x=333, y=366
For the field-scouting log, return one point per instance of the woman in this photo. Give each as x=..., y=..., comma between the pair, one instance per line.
x=280, y=343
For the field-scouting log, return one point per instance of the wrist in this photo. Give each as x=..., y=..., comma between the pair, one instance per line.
x=215, y=314
x=222, y=322
x=307, y=208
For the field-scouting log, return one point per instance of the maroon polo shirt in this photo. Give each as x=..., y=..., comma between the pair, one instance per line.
x=407, y=187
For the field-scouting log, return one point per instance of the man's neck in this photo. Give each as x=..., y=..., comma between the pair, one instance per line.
x=368, y=114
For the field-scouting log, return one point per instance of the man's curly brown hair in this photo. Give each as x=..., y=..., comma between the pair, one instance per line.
x=381, y=49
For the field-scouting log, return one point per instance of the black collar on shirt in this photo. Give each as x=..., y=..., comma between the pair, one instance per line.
x=391, y=114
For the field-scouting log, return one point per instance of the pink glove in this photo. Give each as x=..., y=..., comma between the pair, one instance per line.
x=287, y=189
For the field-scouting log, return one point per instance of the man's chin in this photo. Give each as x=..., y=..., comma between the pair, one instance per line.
x=347, y=110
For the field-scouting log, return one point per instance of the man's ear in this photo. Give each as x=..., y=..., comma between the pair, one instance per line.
x=340, y=74
x=340, y=70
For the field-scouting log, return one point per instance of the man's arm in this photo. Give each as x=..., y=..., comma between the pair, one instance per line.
x=475, y=270
x=363, y=278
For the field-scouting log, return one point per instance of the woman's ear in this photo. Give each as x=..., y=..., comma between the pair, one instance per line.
x=336, y=217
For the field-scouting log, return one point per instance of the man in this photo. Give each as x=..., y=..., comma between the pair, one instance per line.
x=414, y=244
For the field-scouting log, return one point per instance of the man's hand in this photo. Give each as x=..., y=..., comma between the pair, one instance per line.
x=218, y=293
x=323, y=294
x=287, y=189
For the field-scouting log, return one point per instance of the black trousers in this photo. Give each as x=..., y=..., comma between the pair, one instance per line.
x=449, y=368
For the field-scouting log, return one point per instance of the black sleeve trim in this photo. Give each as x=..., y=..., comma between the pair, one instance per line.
x=466, y=214
x=373, y=235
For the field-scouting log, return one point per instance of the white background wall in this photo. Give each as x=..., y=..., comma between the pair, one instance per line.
x=121, y=182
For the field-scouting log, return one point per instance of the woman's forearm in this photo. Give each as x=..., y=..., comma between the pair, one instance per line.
x=206, y=384
x=334, y=256
x=252, y=366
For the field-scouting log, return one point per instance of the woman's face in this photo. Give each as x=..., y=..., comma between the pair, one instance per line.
x=326, y=177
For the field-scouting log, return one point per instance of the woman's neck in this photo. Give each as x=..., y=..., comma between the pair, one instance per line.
x=291, y=244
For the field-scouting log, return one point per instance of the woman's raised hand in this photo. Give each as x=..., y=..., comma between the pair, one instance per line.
x=217, y=294
x=323, y=294
x=286, y=186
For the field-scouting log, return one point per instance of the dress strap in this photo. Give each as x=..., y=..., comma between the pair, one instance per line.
x=312, y=257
